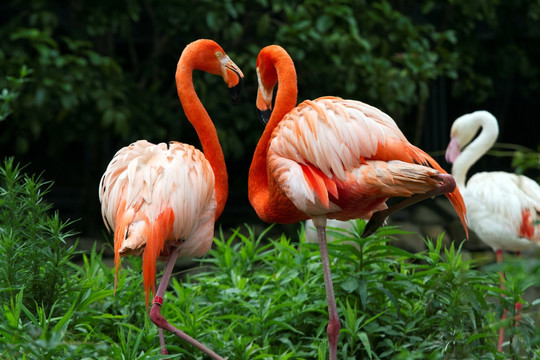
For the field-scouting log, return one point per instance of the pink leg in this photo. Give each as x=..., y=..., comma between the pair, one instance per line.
x=501, y=333
x=162, y=323
x=333, y=320
x=378, y=217
x=499, y=255
x=162, y=342
x=519, y=305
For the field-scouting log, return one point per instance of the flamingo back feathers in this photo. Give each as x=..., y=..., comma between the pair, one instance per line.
x=331, y=138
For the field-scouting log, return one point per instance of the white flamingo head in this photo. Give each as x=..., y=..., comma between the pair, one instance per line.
x=464, y=130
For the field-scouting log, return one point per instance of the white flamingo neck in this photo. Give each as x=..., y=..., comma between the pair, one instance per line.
x=476, y=148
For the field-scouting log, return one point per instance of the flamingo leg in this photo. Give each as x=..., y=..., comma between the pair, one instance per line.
x=333, y=320
x=519, y=305
x=377, y=219
x=162, y=342
x=162, y=323
x=499, y=255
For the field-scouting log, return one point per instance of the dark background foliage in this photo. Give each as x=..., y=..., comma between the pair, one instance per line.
x=80, y=79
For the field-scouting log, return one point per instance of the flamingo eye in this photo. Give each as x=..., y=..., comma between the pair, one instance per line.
x=219, y=54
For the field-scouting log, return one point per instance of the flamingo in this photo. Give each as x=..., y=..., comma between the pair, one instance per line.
x=332, y=158
x=502, y=207
x=161, y=200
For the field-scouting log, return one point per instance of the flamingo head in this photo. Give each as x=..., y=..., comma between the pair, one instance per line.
x=267, y=79
x=271, y=61
x=463, y=130
x=211, y=58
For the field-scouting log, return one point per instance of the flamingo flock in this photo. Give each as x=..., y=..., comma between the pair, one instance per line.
x=325, y=159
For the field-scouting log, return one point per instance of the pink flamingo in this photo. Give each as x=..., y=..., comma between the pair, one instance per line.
x=332, y=158
x=161, y=200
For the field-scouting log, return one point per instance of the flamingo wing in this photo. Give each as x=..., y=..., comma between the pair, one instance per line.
x=332, y=156
x=503, y=210
x=155, y=195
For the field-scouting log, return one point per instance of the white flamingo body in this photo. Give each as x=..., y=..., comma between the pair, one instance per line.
x=502, y=208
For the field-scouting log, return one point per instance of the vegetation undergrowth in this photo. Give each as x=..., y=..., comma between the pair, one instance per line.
x=252, y=297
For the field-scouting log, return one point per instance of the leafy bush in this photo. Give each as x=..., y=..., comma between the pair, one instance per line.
x=34, y=260
x=252, y=297
x=10, y=93
x=526, y=159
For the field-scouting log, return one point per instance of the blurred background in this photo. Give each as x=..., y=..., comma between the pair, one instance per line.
x=80, y=79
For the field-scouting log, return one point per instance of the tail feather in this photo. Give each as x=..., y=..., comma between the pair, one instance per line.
x=156, y=234
x=122, y=224
x=459, y=205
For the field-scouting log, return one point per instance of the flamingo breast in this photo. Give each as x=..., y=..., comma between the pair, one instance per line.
x=168, y=183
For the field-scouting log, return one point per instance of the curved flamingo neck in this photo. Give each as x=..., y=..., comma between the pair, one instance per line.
x=477, y=148
x=206, y=131
x=286, y=96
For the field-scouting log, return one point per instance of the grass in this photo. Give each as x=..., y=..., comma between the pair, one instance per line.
x=252, y=297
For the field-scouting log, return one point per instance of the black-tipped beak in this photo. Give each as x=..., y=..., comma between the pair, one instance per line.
x=264, y=115
x=234, y=92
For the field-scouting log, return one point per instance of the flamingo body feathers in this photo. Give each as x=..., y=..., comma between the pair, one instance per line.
x=502, y=210
x=163, y=197
x=344, y=159
x=156, y=196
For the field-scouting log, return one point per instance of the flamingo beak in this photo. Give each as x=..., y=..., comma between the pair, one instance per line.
x=264, y=115
x=265, y=100
x=233, y=76
x=234, y=91
x=452, y=151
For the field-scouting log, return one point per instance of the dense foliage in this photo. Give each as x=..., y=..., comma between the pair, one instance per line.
x=253, y=297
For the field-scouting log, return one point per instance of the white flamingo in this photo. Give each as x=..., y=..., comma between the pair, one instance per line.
x=502, y=208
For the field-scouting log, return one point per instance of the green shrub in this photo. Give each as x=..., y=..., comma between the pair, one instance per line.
x=252, y=297
x=34, y=260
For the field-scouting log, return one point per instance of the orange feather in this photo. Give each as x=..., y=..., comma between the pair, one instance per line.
x=156, y=233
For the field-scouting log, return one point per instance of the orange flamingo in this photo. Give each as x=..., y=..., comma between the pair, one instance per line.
x=333, y=159
x=162, y=200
